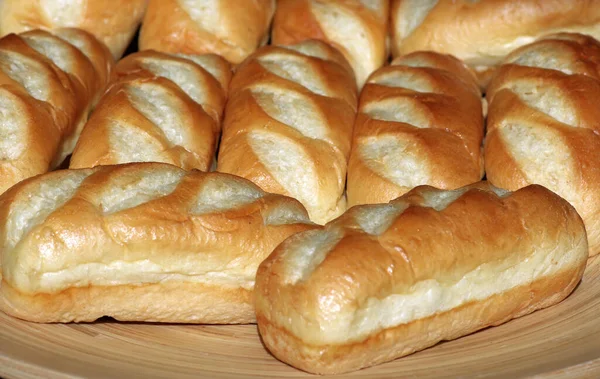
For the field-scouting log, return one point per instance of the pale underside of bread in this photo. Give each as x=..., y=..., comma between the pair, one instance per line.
x=405, y=339
x=173, y=302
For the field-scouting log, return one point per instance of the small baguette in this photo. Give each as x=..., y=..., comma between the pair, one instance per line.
x=138, y=242
x=543, y=125
x=357, y=28
x=232, y=29
x=420, y=122
x=113, y=23
x=49, y=82
x=288, y=124
x=387, y=280
x=483, y=33
x=159, y=108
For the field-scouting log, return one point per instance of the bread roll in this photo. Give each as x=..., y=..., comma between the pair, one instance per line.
x=112, y=23
x=420, y=121
x=48, y=85
x=138, y=242
x=357, y=28
x=288, y=124
x=387, y=280
x=543, y=123
x=232, y=29
x=160, y=108
x=482, y=33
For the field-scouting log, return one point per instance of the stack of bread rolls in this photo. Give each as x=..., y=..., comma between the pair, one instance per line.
x=288, y=124
x=348, y=189
x=49, y=82
x=160, y=108
x=419, y=121
x=358, y=29
x=113, y=24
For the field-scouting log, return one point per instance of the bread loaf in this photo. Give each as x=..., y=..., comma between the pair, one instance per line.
x=138, y=242
x=419, y=121
x=357, y=28
x=232, y=29
x=113, y=24
x=482, y=33
x=48, y=85
x=387, y=280
x=288, y=124
x=159, y=108
x=543, y=123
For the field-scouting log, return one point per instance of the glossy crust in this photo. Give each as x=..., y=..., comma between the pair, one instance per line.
x=419, y=121
x=232, y=29
x=288, y=124
x=483, y=32
x=543, y=123
x=49, y=83
x=384, y=281
x=113, y=25
x=159, y=108
x=357, y=28
x=138, y=242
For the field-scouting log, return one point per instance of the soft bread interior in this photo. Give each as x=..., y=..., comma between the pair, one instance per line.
x=13, y=130
x=295, y=69
x=343, y=27
x=31, y=74
x=396, y=159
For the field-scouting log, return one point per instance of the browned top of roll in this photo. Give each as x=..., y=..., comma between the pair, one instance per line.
x=419, y=122
x=482, y=33
x=137, y=224
x=159, y=108
x=288, y=124
x=385, y=280
x=49, y=83
x=543, y=123
x=113, y=23
x=233, y=29
x=358, y=29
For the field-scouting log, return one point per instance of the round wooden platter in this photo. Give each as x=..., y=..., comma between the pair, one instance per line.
x=561, y=341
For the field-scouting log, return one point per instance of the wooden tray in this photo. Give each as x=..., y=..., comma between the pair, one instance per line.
x=562, y=341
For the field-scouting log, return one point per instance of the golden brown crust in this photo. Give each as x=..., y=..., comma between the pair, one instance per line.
x=482, y=33
x=420, y=122
x=130, y=241
x=159, y=108
x=543, y=123
x=114, y=26
x=357, y=29
x=51, y=81
x=288, y=124
x=230, y=29
x=384, y=281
